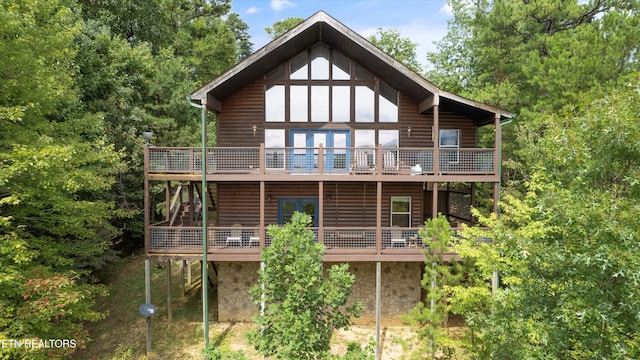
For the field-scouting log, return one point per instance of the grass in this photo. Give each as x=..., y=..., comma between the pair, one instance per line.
x=122, y=334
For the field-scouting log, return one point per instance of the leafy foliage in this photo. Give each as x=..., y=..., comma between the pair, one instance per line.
x=567, y=247
x=303, y=307
x=431, y=318
x=401, y=49
x=79, y=85
x=280, y=27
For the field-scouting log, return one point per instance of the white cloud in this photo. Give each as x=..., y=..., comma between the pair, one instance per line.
x=252, y=10
x=446, y=9
x=279, y=5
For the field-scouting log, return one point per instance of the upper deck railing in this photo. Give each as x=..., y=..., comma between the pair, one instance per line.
x=323, y=160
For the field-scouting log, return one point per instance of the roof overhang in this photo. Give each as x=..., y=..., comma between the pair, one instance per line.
x=321, y=27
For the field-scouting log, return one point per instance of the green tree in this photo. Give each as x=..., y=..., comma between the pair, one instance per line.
x=431, y=318
x=567, y=246
x=56, y=170
x=401, y=49
x=280, y=27
x=303, y=307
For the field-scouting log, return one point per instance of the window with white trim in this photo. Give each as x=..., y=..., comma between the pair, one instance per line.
x=401, y=211
x=449, y=140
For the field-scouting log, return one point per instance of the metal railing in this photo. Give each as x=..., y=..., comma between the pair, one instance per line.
x=322, y=160
x=165, y=239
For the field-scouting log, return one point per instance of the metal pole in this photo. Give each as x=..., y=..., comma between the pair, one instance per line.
x=203, y=199
x=147, y=288
x=378, y=298
x=169, y=309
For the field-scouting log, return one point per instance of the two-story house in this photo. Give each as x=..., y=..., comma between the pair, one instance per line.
x=322, y=121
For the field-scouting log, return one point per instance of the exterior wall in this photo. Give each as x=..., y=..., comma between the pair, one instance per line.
x=400, y=290
x=234, y=281
x=349, y=204
x=245, y=108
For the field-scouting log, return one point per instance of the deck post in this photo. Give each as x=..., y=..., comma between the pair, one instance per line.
x=262, y=303
x=434, y=203
x=189, y=273
x=321, y=209
x=378, y=298
x=379, y=217
x=169, y=310
x=182, y=278
x=436, y=137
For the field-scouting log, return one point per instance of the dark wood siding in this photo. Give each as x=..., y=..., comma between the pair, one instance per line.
x=346, y=204
x=246, y=107
x=421, y=124
x=239, y=113
x=238, y=203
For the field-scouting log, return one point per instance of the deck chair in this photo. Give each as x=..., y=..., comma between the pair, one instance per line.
x=361, y=163
x=254, y=240
x=235, y=236
x=397, y=240
x=389, y=162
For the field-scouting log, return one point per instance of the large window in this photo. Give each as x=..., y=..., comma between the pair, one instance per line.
x=449, y=143
x=274, y=148
x=401, y=211
x=323, y=85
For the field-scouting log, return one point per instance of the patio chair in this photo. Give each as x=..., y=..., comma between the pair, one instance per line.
x=389, y=162
x=397, y=239
x=361, y=163
x=254, y=240
x=235, y=235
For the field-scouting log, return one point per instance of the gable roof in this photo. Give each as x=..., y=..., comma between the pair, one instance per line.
x=321, y=27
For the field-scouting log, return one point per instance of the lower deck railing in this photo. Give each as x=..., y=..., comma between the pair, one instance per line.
x=364, y=240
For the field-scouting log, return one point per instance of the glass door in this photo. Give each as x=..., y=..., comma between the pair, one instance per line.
x=286, y=208
x=305, y=143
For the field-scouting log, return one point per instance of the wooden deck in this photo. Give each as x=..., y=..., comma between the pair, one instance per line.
x=245, y=243
x=359, y=164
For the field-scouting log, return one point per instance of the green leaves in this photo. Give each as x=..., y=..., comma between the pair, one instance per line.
x=303, y=306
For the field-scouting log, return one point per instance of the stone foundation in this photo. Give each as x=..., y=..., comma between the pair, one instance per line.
x=234, y=281
x=400, y=290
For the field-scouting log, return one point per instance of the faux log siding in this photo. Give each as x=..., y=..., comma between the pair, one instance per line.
x=468, y=130
x=240, y=112
x=245, y=108
x=238, y=203
x=421, y=124
x=349, y=204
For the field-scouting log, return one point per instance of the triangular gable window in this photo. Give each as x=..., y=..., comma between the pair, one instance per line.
x=322, y=85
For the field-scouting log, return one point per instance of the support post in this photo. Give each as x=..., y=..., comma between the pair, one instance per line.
x=189, y=273
x=262, y=302
x=434, y=203
x=378, y=299
x=205, y=295
x=147, y=298
x=182, y=278
x=169, y=309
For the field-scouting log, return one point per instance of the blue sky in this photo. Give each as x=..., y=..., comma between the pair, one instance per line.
x=422, y=21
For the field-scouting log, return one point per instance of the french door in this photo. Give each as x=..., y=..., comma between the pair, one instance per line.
x=287, y=206
x=305, y=143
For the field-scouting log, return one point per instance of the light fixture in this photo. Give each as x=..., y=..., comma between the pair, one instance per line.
x=269, y=198
x=327, y=197
x=147, y=135
x=409, y=132
x=255, y=129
